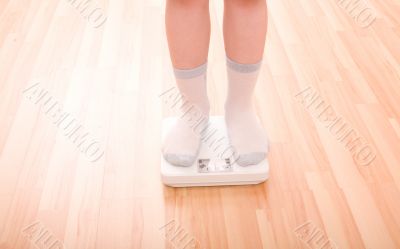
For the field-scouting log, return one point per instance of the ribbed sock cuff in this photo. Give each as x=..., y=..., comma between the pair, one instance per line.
x=242, y=68
x=190, y=73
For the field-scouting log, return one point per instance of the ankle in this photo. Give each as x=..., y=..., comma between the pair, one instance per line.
x=238, y=106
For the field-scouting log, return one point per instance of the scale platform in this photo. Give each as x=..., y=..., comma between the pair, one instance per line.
x=208, y=169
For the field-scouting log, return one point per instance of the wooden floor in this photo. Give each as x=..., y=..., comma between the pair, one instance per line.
x=320, y=193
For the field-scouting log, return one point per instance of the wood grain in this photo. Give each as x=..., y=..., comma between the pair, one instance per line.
x=110, y=78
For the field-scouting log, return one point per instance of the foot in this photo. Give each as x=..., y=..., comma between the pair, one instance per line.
x=182, y=143
x=181, y=146
x=246, y=135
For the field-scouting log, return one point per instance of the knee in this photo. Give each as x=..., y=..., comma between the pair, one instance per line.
x=189, y=4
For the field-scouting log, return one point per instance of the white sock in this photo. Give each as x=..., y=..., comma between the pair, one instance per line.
x=182, y=143
x=245, y=132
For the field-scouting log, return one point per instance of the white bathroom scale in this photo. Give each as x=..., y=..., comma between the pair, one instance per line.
x=210, y=169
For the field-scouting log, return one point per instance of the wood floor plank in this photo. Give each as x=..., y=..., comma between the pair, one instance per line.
x=109, y=79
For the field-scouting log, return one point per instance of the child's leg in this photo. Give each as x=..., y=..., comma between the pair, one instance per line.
x=245, y=26
x=188, y=33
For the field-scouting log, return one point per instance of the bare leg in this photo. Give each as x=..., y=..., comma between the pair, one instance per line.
x=188, y=33
x=245, y=26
